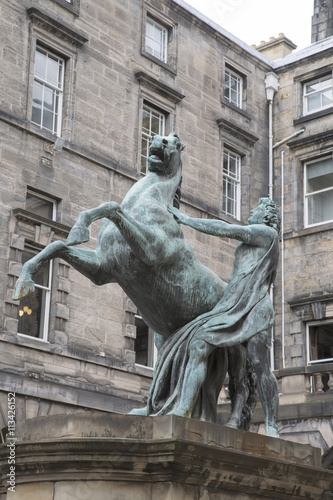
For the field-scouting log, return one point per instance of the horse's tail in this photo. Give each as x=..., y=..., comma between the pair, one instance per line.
x=250, y=404
x=178, y=194
x=249, y=383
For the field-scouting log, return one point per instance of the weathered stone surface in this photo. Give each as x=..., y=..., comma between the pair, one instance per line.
x=162, y=457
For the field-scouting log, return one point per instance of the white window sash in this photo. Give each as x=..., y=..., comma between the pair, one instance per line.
x=308, y=196
x=57, y=90
x=234, y=180
x=308, y=344
x=323, y=86
x=159, y=37
x=47, y=307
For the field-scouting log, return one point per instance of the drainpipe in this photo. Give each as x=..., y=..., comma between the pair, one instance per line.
x=277, y=144
x=271, y=86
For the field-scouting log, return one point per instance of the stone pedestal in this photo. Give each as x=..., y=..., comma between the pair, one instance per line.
x=117, y=457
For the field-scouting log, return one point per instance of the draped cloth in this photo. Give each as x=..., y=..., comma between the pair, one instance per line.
x=244, y=310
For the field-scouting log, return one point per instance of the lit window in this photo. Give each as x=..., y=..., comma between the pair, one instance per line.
x=231, y=184
x=320, y=342
x=33, y=311
x=153, y=122
x=233, y=88
x=318, y=190
x=48, y=91
x=156, y=40
x=144, y=347
x=318, y=95
x=40, y=205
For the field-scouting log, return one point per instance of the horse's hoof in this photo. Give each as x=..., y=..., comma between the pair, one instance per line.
x=139, y=411
x=23, y=288
x=78, y=235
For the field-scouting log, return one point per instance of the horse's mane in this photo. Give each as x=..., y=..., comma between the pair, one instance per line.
x=178, y=194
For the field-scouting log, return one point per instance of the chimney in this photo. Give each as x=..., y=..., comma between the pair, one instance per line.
x=276, y=48
x=322, y=20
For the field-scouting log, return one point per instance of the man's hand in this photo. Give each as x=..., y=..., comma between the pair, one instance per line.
x=180, y=218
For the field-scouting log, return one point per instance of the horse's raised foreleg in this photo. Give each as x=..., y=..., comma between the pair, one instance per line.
x=146, y=242
x=80, y=232
x=85, y=261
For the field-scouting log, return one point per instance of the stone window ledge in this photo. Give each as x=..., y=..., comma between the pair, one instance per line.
x=313, y=116
x=308, y=230
x=241, y=111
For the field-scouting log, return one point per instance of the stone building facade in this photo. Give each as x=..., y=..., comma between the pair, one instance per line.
x=84, y=87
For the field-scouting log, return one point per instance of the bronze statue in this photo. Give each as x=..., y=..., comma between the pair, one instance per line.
x=141, y=246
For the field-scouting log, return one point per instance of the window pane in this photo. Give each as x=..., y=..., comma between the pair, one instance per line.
x=40, y=64
x=320, y=207
x=321, y=342
x=327, y=98
x=319, y=175
x=141, y=344
x=48, y=120
x=39, y=206
x=313, y=102
x=52, y=71
x=31, y=314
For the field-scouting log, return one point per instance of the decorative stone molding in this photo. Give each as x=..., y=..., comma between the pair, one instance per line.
x=60, y=30
x=236, y=131
x=30, y=218
x=158, y=87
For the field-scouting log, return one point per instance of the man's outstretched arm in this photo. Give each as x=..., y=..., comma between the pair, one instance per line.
x=252, y=234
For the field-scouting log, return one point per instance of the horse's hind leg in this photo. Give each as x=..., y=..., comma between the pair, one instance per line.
x=85, y=261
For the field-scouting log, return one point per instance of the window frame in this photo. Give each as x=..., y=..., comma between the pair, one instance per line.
x=152, y=349
x=164, y=44
x=45, y=84
x=237, y=182
x=307, y=196
x=305, y=96
x=308, y=344
x=170, y=26
x=149, y=136
x=47, y=198
x=240, y=93
x=47, y=305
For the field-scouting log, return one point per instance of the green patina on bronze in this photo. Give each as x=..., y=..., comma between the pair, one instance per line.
x=204, y=326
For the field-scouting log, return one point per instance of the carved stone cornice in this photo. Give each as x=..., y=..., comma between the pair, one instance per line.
x=33, y=219
x=160, y=88
x=59, y=29
x=236, y=131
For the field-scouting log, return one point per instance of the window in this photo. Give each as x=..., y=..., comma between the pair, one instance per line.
x=48, y=91
x=144, y=346
x=233, y=87
x=156, y=40
x=318, y=95
x=320, y=342
x=231, y=183
x=153, y=123
x=318, y=191
x=33, y=311
x=40, y=205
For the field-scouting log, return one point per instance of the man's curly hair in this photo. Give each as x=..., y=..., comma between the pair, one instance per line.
x=272, y=217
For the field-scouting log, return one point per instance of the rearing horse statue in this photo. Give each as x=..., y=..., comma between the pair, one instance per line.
x=141, y=246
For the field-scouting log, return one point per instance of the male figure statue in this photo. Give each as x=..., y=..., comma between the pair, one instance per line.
x=245, y=313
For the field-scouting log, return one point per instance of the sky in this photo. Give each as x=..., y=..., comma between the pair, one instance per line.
x=256, y=20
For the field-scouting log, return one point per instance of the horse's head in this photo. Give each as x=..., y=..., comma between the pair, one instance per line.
x=165, y=154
